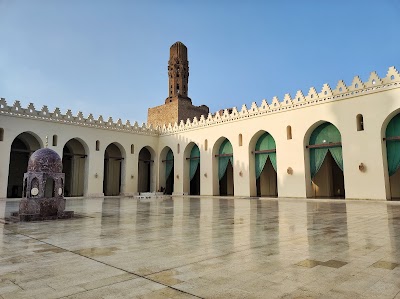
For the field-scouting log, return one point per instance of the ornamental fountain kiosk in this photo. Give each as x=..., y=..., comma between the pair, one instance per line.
x=43, y=189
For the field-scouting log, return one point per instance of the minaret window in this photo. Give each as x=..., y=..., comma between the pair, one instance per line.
x=177, y=88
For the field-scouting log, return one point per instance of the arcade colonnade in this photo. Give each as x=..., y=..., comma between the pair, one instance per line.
x=344, y=149
x=347, y=148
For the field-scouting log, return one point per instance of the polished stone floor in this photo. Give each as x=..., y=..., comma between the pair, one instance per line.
x=204, y=248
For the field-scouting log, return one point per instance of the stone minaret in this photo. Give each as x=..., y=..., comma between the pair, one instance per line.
x=178, y=73
x=178, y=106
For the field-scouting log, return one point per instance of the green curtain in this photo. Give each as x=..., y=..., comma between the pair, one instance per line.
x=169, y=163
x=317, y=157
x=336, y=153
x=325, y=133
x=194, y=162
x=265, y=142
x=272, y=157
x=225, y=148
x=393, y=146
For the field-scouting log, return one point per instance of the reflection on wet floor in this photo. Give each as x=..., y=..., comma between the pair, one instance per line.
x=204, y=247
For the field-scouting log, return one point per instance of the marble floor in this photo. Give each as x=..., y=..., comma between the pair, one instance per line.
x=204, y=248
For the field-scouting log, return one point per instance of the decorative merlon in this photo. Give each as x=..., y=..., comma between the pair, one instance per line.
x=327, y=95
x=68, y=118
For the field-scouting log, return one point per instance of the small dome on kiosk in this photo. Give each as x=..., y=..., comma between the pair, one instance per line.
x=45, y=160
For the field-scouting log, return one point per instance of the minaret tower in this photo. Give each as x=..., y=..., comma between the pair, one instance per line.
x=178, y=106
x=178, y=73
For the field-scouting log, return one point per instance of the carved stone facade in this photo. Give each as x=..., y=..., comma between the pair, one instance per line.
x=178, y=106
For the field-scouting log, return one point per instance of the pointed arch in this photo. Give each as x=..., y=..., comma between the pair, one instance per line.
x=21, y=149
x=146, y=169
x=325, y=158
x=263, y=157
x=166, y=174
x=191, y=169
x=75, y=167
x=114, y=169
x=223, y=175
x=391, y=150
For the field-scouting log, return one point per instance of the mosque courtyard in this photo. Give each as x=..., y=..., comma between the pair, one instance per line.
x=206, y=247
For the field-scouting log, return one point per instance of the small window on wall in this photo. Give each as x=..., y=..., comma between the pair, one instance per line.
x=132, y=149
x=97, y=145
x=55, y=140
x=360, y=122
x=1, y=134
x=179, y=148
x=240, y=139
x=205, y=144
x=289, y=132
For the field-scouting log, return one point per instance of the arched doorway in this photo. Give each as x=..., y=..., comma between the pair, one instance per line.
x=194, y=170
x=145, y=166
x=392, y=138
x=169, y=172
x=326, y=162
x=112, y=170
x=21, y=149
x=74, y=167
x=265, y=166
x=49, y=189
x=225, y=168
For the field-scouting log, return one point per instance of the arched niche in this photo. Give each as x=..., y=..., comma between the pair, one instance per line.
x=223, y=175
x=391, y=147
x=75, y=167
x=146, y=170
x=263, y=165
x=191, y=171
x=166, y=174
x=21, y=149
x=113, y=169
x=325, y=177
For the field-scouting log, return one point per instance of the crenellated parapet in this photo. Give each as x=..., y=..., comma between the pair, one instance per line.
x=68, y=118
x=300, y=100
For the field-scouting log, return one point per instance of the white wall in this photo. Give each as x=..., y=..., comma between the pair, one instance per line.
x=13, y=126
x=377, y=106
x=358, y=147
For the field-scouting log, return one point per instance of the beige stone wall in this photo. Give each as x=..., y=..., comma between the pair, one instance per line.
x=163, y=114
x=187, y=110
x=174, y=111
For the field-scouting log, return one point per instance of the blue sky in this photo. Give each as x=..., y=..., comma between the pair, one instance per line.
x=110, y=57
